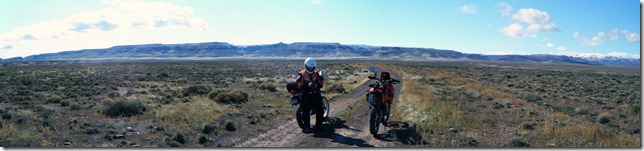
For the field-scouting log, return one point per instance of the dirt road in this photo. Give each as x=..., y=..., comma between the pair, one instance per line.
x=338, y=132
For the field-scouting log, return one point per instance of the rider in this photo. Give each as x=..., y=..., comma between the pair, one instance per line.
x=310, y=82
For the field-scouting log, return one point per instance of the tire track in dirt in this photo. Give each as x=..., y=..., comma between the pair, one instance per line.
x=288, y=134
x=355, y=132
x=337, y=132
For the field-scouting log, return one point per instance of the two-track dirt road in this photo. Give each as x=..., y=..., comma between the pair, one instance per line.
x=352, y=129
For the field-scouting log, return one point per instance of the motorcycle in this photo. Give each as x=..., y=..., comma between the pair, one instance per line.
x=380, y=96
x=296, y=99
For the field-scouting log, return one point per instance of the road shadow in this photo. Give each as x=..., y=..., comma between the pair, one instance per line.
x=402, y=132
x=329, y=131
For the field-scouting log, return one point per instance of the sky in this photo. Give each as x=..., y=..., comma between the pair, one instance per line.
x=570, y=27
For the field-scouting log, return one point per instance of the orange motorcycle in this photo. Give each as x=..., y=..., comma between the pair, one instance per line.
x=380, y=96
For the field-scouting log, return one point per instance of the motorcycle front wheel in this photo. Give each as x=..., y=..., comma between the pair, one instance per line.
x=299, y=116
x=374, y=121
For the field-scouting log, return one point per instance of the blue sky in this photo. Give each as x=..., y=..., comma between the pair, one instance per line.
x=570, y=27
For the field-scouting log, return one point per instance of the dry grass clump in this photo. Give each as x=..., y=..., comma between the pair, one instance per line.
x=189, y=117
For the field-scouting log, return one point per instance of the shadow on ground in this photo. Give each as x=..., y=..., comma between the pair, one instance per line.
x=400, y=131
x=329, y=129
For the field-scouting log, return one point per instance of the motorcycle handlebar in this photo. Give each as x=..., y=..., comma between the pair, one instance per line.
x=380, y=80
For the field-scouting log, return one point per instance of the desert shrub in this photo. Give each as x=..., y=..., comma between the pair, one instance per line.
x=170, y=142
x=46, y=123
x=622, y=115
x=158, y=128
x=518, y=143
x=531, y=97
x=179, y=138
x=337, y=88
x=64, y=103
x=630, y=131
x=607, y=107
x=91, y=130
x=163, y=75
x=167, y=100
x=108, y=137
x=604, y=120
x=635, y=108
x=75, y=107
x=214, y=94
x=498, y=105
x=123, y=107
x=202, y=139
x=54, y=99
x=47, y=113
x=489, y=98
x=529, y=126
x=114, y=95
x=140, y=78
x=232, y=97
x=254, y=119
x=208, y=128
x=488, y=121
x=230, y=125
x=533, y=112
x=173, y=144
x=619, y=101
x=166, y=139
x=581, y=110
x=21, y=119
x=467, y=142
x=6, y=115
x=196, y=90
x=267, y=87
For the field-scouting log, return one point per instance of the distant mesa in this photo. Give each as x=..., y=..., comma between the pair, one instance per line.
x=212, y=50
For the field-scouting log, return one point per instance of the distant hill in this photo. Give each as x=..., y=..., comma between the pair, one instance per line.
x=307, y=49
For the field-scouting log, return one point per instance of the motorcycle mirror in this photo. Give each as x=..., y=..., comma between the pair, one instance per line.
x=371, y=69
x=320, y=73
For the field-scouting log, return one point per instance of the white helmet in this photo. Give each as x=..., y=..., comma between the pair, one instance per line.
x=309, y=65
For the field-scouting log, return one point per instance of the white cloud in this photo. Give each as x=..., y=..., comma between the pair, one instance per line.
x=467, y=9
x=505, y=9
x=602, y=36
x=562, y=48
x=550, y=45
x=517, y=31
x=632, y=37
x=536, y=20
x=316, y=2
x=614, y=34
x=121, y=15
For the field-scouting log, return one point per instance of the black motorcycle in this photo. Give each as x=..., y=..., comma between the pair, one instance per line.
x=296, y=98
